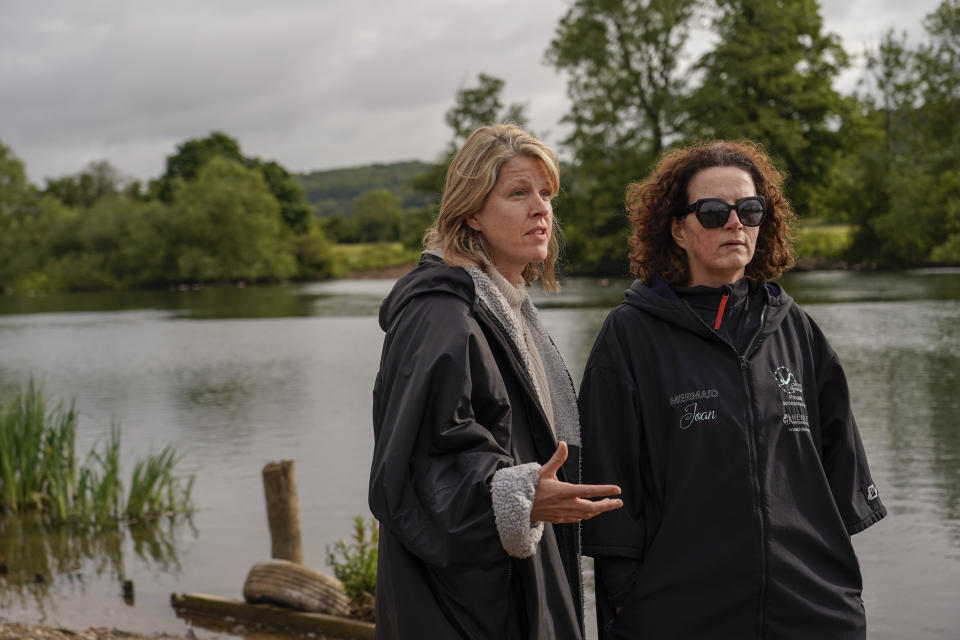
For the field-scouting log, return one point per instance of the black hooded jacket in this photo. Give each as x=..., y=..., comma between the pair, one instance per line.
x=742, y=471
x=453, y=405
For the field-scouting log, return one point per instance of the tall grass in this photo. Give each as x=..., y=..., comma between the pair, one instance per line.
x=39, y=471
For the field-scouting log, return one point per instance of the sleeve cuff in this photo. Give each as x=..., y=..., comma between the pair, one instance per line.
x=513, y=489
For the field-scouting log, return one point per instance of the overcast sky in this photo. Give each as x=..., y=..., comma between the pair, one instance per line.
x=312, y=84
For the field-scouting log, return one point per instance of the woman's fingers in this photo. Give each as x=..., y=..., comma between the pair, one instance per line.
x=549, y=470
x=595, y=507
x=557, y=501
x=594, y=490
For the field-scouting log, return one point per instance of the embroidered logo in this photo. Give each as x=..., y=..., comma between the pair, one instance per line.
x=872, y=493
x=794, y=407
x=783, y=377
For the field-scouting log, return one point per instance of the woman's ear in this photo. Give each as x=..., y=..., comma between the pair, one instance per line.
x=677, y=230
x=473, y=221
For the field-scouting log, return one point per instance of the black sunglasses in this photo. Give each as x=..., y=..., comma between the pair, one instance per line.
x=714, y=212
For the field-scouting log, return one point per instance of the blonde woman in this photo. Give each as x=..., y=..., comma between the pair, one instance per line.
x=475, y=416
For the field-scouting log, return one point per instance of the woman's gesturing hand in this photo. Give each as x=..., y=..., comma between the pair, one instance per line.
x=558, y=502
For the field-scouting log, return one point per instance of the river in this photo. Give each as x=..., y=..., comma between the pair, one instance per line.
x=238, y=377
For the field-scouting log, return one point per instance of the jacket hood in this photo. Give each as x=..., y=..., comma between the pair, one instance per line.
x=659, y=300
x=430, y=276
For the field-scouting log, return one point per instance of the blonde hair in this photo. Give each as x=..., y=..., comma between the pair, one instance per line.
x=471, y=176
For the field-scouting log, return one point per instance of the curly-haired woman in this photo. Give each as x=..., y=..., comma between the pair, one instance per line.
x=719, y=408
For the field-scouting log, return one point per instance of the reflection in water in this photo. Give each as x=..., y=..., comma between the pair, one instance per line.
x=903, y=363
x=40, y=563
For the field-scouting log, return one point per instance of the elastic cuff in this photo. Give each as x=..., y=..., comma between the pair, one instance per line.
x=513, y=489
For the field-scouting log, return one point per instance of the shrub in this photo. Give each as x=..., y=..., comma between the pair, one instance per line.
x=355, y=565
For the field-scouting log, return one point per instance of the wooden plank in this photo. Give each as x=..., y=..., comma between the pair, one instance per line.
x=198, y=604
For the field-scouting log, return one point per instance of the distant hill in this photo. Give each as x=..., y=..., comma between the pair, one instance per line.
x=332, y=192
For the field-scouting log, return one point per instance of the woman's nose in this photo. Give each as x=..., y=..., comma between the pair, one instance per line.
x=733, y=219
x=541, y=205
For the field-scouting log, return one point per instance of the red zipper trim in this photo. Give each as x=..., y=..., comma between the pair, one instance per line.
x=723, y=305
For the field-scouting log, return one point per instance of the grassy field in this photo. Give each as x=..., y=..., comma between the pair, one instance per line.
x=826, y=241
x=356, y=258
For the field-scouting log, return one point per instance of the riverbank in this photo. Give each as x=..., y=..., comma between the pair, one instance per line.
x=17, y=631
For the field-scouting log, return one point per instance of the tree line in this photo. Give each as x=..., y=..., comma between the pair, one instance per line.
x=883, y=160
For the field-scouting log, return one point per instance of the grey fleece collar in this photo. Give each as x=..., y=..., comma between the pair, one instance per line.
x=562, y=395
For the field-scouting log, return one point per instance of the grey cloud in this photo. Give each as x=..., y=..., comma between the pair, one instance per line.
x=310, y=84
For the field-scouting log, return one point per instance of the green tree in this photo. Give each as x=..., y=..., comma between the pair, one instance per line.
x=193, y=155
x=480, y=105
x=877, y=169
x=288, y=192
x=938, y=66
x=902, y=178
x=378, y=216
x=623, y=59
x=15, y=192
x=770, y=79
x=473, y=107
x=626, y=82
x=98, y=180
x=225, y=225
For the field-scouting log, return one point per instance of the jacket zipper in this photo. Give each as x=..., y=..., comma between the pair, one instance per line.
x=752, y=455
x=753, y=458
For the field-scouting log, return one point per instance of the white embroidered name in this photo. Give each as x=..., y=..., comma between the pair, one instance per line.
x=691, y=415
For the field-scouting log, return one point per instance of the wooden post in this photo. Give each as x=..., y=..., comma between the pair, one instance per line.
x=283, y=511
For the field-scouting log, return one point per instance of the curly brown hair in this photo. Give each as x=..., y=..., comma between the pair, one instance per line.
x=654, y=203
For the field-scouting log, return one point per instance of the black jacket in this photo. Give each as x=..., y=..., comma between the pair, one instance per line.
x=452, y=405
x=743, y=475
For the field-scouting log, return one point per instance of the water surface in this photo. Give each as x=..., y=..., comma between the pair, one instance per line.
x=240, y=377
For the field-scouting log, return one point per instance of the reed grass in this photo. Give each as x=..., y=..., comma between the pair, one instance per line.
x=39, y=471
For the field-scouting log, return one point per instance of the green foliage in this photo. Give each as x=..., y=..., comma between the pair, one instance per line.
x=286, y=189
x=39, y=471
x=623, y=59
x=378, y=216
x=354, y=563
x=334, y=192
x=98, y=180
x=478, y=106
x=224, y=225
x=770, y=79
x=900, y=185
x=16, y=194
x=193, y=155
x=223, y=220
x=473, y=107
x=827, y=241
x=314, y=254
x=626, y=85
